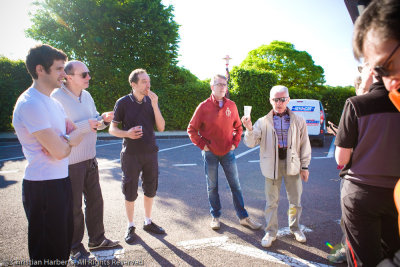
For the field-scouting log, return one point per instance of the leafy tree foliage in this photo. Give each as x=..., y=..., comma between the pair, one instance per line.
x=293, y=68
x=112, y=37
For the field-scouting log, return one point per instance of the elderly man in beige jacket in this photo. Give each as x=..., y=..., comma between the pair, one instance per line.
x=285, y=151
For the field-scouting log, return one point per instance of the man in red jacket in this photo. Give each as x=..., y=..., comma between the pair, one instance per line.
x=216, y=129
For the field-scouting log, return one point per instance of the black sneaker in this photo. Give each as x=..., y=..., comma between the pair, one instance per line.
x=153, y=228
x=106, y=243
x=79, y=253
x=130, y=235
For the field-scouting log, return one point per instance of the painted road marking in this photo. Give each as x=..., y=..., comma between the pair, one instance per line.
x=254, y=161
x=286, y=230
x=222, y=243
x=109, y=144
x=12, y=158
x=247, y=152
x=10, y=146
x=184, y=165
x=12, y=171
x=238, y=156
x=331, y=152
x=117, y=160
x=165, y=149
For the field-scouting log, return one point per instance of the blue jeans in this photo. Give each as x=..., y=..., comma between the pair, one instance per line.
x=228, y=163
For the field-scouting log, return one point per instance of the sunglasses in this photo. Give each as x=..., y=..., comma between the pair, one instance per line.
x=83, y=74
x=381, y=70
x=282, y=99
x=221, y=84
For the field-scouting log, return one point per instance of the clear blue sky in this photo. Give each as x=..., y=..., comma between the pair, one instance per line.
x=211, y=29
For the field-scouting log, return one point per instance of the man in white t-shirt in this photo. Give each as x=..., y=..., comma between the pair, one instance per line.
x=46, y=136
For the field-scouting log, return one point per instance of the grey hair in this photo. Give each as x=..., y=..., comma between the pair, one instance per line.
x=217, y=77
x=278, y=89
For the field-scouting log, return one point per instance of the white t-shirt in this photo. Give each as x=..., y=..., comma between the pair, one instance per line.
x=33, y=112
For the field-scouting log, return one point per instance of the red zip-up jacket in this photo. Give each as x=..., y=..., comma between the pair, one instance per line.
x=218, y=128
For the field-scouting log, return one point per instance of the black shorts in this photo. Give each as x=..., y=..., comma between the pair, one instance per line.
x=132, y=165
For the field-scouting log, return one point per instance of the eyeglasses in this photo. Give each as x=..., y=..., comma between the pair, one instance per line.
x=282, y=99
x=381, y=70
x=83, y=74
x=221, y=84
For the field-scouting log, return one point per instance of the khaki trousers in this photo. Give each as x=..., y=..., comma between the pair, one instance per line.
x=294, y=188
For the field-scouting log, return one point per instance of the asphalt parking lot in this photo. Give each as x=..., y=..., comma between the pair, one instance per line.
x=181, y=208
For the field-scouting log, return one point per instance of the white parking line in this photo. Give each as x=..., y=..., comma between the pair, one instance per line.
x=254, y=161
x=10, y=146
x=175, y=147
x=183, y=165
x=12, y=171
x=286, y=230
x=247, y=152
x=109, y=144
x=117, y=160
x=222, y=243
x=12, y=158
x=24, y=157
x=331, y=152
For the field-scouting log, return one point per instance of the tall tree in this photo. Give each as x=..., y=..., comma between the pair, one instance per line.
x=112, y=37
x=293, y=68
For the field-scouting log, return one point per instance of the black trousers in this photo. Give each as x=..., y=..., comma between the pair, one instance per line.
x=370, y=220
x=48, y=208
x=85, y=180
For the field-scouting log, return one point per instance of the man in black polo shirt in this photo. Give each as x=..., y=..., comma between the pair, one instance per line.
x=368, y=141
x=138, y=112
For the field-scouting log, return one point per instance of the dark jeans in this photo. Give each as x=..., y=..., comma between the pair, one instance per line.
x=370, y=220
x=85, y=180
x=228, y=163
x=48, y=208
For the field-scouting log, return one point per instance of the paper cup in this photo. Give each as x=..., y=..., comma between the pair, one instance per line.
x=247, y=110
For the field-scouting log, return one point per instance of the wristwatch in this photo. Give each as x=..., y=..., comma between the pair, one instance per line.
x=67, y=138
x=304, y=168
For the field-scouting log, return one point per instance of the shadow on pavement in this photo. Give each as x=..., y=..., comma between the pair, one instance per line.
x=5, y=183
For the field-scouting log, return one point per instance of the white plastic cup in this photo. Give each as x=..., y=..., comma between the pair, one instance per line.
x=247, y=110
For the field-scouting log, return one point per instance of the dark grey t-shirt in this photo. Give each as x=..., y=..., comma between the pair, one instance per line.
x=131, y=113
x=370, y=125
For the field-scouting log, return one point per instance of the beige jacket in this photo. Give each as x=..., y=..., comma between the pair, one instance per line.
x=298, y=151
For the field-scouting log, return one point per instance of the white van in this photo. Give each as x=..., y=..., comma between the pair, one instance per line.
x=313, y=113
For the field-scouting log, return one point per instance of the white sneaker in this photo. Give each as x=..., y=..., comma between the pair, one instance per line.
x=300, y=237
x=215, y=224
x=250, y=223
x=267, y=240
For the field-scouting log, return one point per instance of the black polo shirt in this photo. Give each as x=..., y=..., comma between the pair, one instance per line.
x=370, y=124
x=131, y=113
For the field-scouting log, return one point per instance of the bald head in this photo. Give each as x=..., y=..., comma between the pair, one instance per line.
x=78, y=76
x=70, y=66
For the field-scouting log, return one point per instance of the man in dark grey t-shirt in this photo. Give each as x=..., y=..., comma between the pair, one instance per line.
x=368, y=144
x=138, y=112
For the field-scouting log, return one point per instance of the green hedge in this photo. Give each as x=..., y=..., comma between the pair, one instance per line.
x=250, y=87
x=179, y=100
x=333, y=99
x=14, y=79
x=179, y=97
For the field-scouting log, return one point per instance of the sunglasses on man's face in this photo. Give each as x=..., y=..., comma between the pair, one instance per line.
x=83, y=74
x=282, y=99
x=382, y=70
